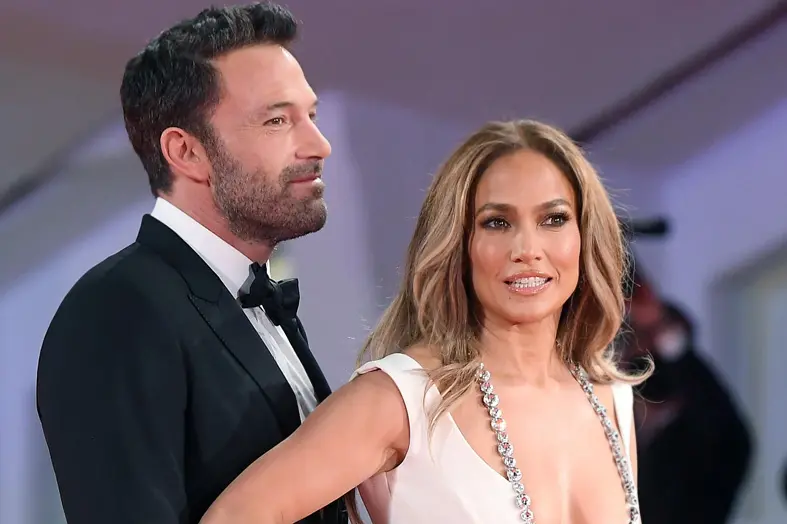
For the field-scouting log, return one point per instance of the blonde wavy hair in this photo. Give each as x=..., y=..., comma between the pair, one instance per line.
x=435, y=304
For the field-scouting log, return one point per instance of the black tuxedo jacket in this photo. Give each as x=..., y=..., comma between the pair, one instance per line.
x=154, y=390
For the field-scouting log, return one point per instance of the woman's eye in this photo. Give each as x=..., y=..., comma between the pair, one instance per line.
x=556, y=220
x=495, y=223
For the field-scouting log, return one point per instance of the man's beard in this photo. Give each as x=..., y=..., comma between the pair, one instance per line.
x=259, y=208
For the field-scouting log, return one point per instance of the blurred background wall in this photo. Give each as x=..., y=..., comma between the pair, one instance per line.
x=681, y=105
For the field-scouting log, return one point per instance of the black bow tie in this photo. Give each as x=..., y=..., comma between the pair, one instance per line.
x=278, y=299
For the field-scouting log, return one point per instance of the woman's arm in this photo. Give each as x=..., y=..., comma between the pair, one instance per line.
x=359, y=431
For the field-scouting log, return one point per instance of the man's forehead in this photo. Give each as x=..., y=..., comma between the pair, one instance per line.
x=262, y=56
x=266, y=78
x=261, y=66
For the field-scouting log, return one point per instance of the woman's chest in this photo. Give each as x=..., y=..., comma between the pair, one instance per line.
x=560, y=449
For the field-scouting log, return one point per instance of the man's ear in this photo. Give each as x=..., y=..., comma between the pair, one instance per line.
x=185, y=155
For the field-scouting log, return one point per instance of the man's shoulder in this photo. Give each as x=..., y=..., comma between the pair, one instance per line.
x=124, y=278
x=133, y=290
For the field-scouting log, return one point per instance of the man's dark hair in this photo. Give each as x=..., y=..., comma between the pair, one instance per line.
x=172, y=82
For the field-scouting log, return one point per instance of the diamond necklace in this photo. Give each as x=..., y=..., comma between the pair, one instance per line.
x=506, y=449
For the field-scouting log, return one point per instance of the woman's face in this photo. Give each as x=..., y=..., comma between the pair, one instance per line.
x=525, y=243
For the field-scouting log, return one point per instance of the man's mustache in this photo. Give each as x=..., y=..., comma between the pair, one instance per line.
x=291, y=173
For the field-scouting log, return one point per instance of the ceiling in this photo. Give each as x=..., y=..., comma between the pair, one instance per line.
x=704, y=112
x=563, y=61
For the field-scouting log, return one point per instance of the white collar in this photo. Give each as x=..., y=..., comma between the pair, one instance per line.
x=228, y=263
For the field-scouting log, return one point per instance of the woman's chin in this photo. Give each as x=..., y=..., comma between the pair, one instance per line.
x=531, y=317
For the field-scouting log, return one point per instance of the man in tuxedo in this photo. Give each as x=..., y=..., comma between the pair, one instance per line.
x=175, y=363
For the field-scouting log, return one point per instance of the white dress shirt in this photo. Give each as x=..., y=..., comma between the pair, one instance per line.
x=232, y=267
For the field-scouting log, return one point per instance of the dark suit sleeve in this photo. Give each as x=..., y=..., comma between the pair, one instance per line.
x=111, y=396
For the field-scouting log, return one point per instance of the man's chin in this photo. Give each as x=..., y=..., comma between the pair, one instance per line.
x=311, y=221
x=320, y=218
x=312, y=211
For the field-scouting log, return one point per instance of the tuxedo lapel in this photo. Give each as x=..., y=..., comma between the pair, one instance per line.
x=226, y=318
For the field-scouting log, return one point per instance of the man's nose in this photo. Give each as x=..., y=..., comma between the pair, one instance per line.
x=313, y=145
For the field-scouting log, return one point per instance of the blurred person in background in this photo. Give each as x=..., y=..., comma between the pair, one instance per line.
x=174, y=364
x=784, y=481
x=693, y=444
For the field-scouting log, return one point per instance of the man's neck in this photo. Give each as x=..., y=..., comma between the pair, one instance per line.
x=208, y=216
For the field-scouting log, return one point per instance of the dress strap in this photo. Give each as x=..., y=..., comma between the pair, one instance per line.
x=413, y=384
x=623, y=397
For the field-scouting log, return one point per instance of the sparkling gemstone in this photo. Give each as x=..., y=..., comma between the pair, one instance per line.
x=527, y=516
x=491, y=400
x=523, y=501
x=505, y=448
x=518, y=488
x=514, y=474
x=628, y=482
x=484, y=375
x=502, y=436
x=487, y=387
x=495, y=412
x=498, y=424
x=509, y=462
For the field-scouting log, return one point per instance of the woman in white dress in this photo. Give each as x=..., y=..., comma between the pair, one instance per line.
x=491, y=395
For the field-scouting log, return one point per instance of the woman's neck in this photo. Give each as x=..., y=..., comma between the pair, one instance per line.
x=526, y=353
